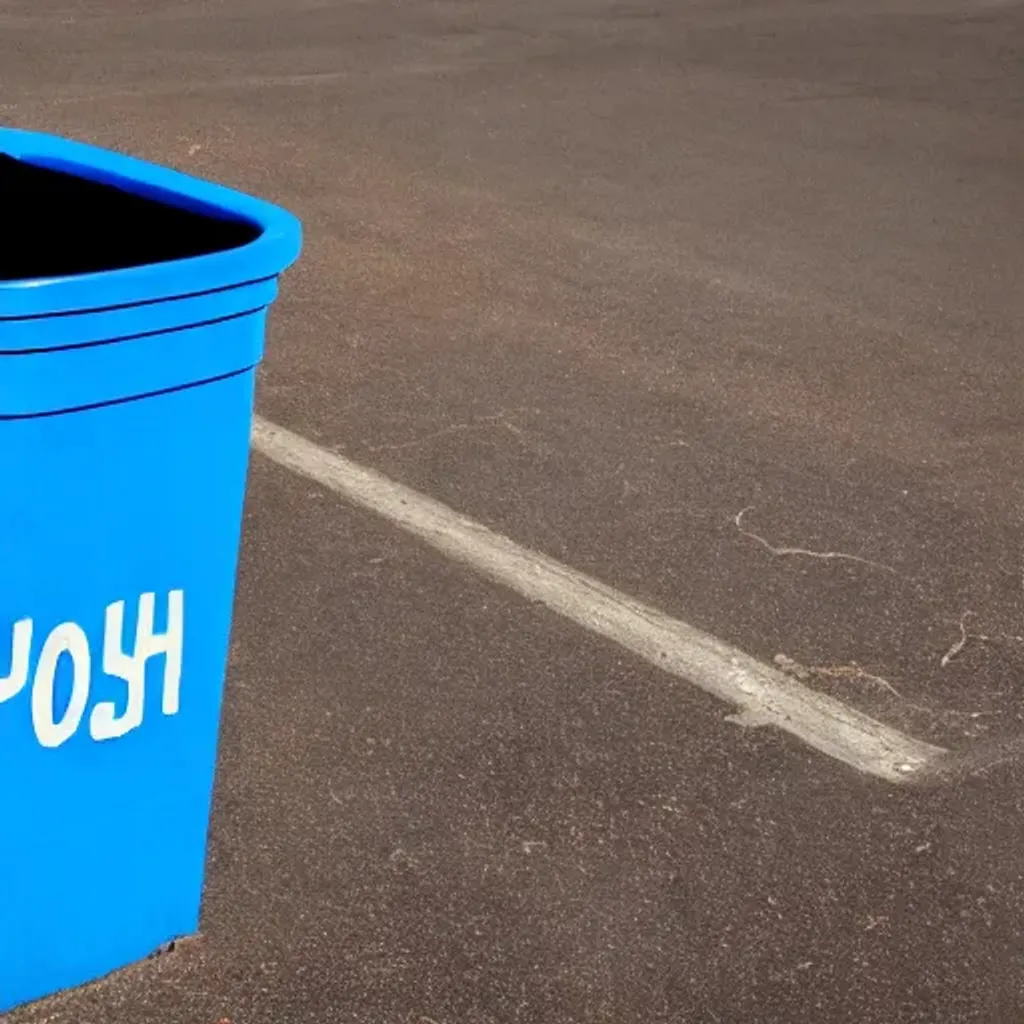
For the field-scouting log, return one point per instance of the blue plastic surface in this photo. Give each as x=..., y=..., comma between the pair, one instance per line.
x=125, y=407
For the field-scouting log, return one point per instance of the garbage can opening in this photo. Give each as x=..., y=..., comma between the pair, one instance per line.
x=57, y=224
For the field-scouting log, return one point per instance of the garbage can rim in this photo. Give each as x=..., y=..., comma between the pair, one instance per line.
x=274, y=249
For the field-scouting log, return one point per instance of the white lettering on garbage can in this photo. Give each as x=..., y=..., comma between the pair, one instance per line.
x=71, y=640
x=21, y=648
x=109, y=719
x=105, y=723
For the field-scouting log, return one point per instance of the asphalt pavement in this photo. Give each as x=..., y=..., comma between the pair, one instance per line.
x=716, y=302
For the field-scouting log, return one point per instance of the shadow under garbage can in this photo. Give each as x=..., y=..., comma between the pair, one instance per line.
x=133, y=302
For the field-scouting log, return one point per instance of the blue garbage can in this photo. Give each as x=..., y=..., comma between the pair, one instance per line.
x=132, y=311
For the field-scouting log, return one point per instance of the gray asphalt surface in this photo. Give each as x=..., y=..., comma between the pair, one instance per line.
x=602, y=275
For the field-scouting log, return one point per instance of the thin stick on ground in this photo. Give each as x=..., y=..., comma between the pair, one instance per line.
x=960, y=644
x=966, y=637
x=852, y=672
x=804, y=552
x=498, y=420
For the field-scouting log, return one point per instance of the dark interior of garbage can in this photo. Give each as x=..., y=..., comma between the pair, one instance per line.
x=54, y=224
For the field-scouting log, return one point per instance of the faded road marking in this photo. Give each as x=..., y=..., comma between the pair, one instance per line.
x=761, y=695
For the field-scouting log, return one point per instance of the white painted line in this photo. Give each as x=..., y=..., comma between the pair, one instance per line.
x=761, y=694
